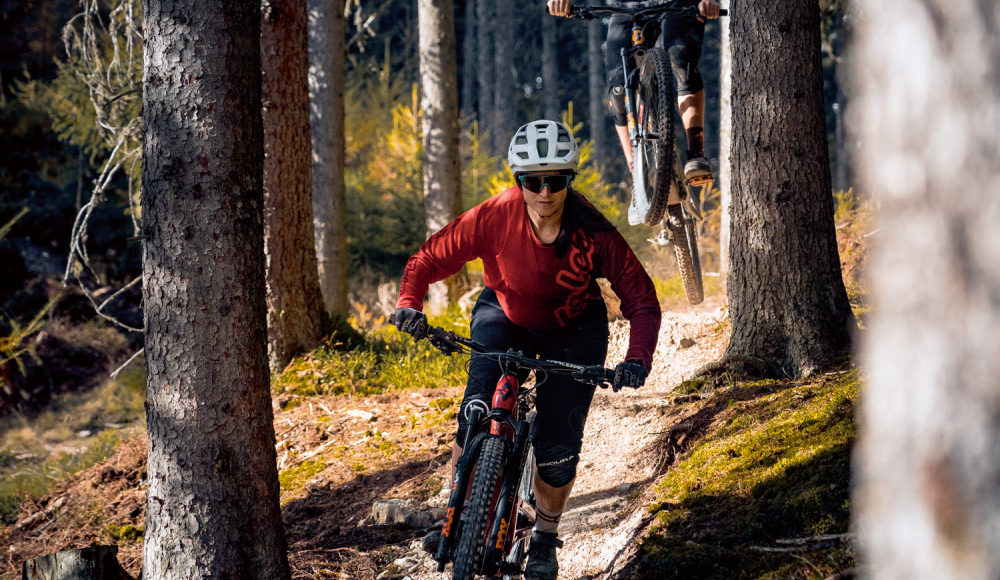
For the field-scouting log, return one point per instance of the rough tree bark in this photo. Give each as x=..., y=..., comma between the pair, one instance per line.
x=439, y=101
x=550, y=67
x=786, y=293
x=469, y=59
x=212, y=506
x=928, y=460
x=595, y=78
x=294, y=300
x=504, y=112
x=326, y=92
x=725, y=140
x=484, y=54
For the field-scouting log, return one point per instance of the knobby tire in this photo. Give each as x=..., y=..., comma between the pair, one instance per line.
x=656, y=96
x=685, y=240
x=469, y=556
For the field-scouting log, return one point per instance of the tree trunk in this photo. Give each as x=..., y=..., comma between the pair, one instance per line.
x=484, y=26
x=329, y=201
x=725, y=183
x=504, y=110
x=928, y=462
x=786, y=293
x=294, y=300
x=439, y=101
x=550, y=67
x=469, y=59
x=212, y=505
x=595, y=76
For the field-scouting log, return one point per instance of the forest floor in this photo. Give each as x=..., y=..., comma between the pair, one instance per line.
x=338, y=455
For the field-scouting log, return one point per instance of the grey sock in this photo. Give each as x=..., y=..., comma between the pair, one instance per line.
x=546, y=521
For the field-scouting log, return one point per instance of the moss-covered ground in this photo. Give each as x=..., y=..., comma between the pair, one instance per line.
x=772, y=462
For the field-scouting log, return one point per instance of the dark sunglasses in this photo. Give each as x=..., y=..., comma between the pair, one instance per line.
x=535, y=183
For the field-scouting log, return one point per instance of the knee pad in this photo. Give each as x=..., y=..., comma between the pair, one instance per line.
x=685, y=71
x=556, y=463
x=616, y=102
x=481, y=400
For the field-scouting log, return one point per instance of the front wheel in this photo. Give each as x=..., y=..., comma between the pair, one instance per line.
x=653, y=169
x=685, y=241
x=477, y=517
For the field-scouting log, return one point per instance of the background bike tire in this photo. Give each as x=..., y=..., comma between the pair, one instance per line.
x=686, y=251
x=657, y=87
x=469, y=556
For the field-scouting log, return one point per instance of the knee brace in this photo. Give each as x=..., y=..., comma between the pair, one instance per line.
x=556, y=463
x=616, y=102
x=685, y=71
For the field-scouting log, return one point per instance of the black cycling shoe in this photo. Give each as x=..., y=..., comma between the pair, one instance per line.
x=431, y=541
x=542, y=563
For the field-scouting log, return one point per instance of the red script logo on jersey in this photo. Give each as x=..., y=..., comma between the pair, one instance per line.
x=576, y=278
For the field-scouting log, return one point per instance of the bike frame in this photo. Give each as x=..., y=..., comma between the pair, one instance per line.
x=503, y=423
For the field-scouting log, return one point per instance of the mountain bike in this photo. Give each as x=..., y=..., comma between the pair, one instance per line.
x=660, y=194
x=489, y=537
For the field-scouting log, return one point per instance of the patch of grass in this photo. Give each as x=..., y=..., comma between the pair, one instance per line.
x=35, y=480
x=778, y=467
x=294, y=479
x=695, y=385
x=389, y=360
x=127, y=534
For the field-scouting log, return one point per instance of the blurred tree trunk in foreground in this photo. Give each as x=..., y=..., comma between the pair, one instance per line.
x=294, y=300
x=212, y=502
x=595, y=76
x=326, y=87
x=928, y=495
x=439, y=101
x=787, y=300
x=550, y=67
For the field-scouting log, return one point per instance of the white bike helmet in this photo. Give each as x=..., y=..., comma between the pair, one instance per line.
x=543, y=146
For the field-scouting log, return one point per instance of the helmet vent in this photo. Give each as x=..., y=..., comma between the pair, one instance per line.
x=543, y=147
x=522, y=154
x=521, y=140
x=563, y=137
x=562, y=152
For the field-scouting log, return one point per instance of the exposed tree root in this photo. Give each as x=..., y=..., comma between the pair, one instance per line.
x=725, y=363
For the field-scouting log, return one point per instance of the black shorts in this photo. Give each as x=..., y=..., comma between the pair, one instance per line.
x=561, y=402
x=680, y=37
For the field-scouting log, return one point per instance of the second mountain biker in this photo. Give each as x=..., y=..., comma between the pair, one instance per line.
x=682, y=39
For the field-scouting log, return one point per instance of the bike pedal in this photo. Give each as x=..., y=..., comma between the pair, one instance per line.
x=701, y=181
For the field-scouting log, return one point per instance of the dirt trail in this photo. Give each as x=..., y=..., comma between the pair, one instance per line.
x=603, y=516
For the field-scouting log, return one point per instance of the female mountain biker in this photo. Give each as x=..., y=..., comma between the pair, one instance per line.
x=543, y=247
x=682, y=39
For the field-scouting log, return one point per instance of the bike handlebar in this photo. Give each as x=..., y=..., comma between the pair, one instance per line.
x=449, y=343
x=592, y=12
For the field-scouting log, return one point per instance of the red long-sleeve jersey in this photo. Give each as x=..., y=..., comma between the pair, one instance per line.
x=537, y=290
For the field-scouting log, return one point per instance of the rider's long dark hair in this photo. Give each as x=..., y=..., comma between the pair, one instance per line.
x=579, y=214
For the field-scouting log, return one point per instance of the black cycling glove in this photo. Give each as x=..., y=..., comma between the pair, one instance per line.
x=629, y=374
x=411, y=321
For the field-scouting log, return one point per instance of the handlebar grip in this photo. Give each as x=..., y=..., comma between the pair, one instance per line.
x=722, y=12
x=609, y=375
x=392, y=319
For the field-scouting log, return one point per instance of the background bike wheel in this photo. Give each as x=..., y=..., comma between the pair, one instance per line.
x=469, y=556
x=686, y=250
x=653, y=159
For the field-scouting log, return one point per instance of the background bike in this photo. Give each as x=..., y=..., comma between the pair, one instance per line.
x=489, y=536
x=660, y=194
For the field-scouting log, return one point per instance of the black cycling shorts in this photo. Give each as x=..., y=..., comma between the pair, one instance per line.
x=680, y=37
x=561, y=402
